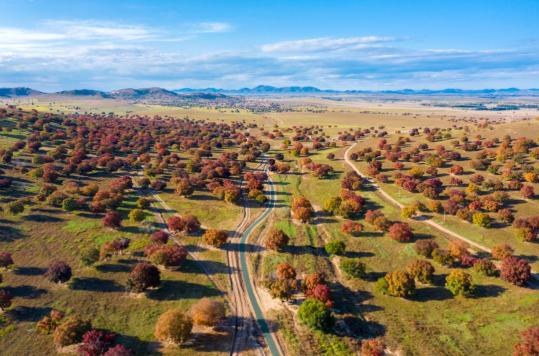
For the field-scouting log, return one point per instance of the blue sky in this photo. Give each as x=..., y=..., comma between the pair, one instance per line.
x=53, y=45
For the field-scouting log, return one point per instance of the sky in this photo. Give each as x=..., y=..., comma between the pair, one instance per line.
x=362, y=44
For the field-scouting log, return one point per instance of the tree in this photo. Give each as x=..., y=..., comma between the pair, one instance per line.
x=353, y=267
x=175, y=223
x=442, y=257
x=501, y=251
x=421, y=271
x=112, y=219
x=322, y=293
x=207, y=312
x=481, y=219
x=315, y=314
x=529, y=342
x=276, y=240
x=58, y=272
x=119, y=350
x=70, y=331
x=96, y=343
x=14, y=208
x=301, y=209
x=6, y=260
x=373, y=347
x=173, y=326
x=515, y=270
x=459, y=283
x=89, y=256
x=215, y=237
x=159, y=237
x=485, y=267
x=351, y=227
x=332, y=205
x=400, y=284
x=527, y=192
x=312, y=280
x=184, y=188
x=281, y=288
x=285, y=271
x=335, y=247
x=70, y=204
x=136, y=215
x=167, y=255
x=143, y=276
x=401, y=232
x=143, y=203
x=425, y=247
x=5, y=299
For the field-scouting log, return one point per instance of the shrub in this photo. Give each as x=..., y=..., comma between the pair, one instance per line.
x=529, y=343
x=159, y=237
x=421, y=271
x=285, y=271
x=136, y=215
x=515, y=270
x=481, y=219
x=353, y=267
x=373, y=347
x=70, y=204
x=207, y=312
x=400, y=232
x=96, y=342
x=58, y=272
x=425, y=247
x=119, y=350
x=173, y=326
x=381, y=285
x=89, y=256
x=336, y=247
x=351, y=227
x=501, y=251
x=112, y=219
x=6, y=260
x=70, y=331
x=459, y=283
x=15, y=207
x=408, y=211
x=315, y=314
x=167, y=255
x=5, y=299
x=485, y=267
x=48, y=324
x=442, y=257
x=276, y=240
x=143, y=276
x=400, y=284
x=215, y=237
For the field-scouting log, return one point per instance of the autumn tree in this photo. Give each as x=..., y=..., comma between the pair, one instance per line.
x=207, y=312
x=400, y=284
x=401, y=232
x=112, y=219
x=214, y=237
x=301, y=209
x=501, y=251
x=143, y=276
x=173, y=326
x=58, y=272
x=515, y=270
x=421, y=271
x=276, y=240
x=285, y=271
x=529, y=343
x=460, y=283
x=71, y=331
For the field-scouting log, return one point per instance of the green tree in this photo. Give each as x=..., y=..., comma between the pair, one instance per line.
x=315, y=314
x=459, y=283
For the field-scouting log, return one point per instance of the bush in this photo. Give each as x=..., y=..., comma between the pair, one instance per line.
x=515, y=270
x=529, y=343
x=481, y=219
x=5, y=299
x=96, y=342
x=136, y=215
x=159, y=237
x=58, y=272
x=173, y=326
x=336, y=247
x=421, y=271
x=207, y=312
x=373, y=347
x=215, y=237
x=143, y=276
x=276, y=240
x=442, y=257
x=15, y=208
x=70, y=204
x=315, y=314
x=112, y=219
x=6, y=260
x=89, y=256
x=119, y=350
x=400, y=284
x=501, y=251
x=400, y=232
x=70, y=331
x=381, y=285
x=353, y=267
x=485, y=267
x=459, y=283
x=425, y=247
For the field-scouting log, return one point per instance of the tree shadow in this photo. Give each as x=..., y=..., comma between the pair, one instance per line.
x=488, y=291
x=26, y=291
x=10, y=233
x=30, y=271
x=174, y=290
x=428, y=293
x=24, y=313
x=112, y=268
x=95, y=285
x=42, y=218
x=209, y=267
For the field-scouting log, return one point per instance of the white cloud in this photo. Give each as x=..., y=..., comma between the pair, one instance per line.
x=325, y=44
x=211, y=27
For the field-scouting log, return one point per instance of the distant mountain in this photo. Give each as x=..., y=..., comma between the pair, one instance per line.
x=84, y=92
x=143, y=94
x=267, y=89
x=15, y=92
